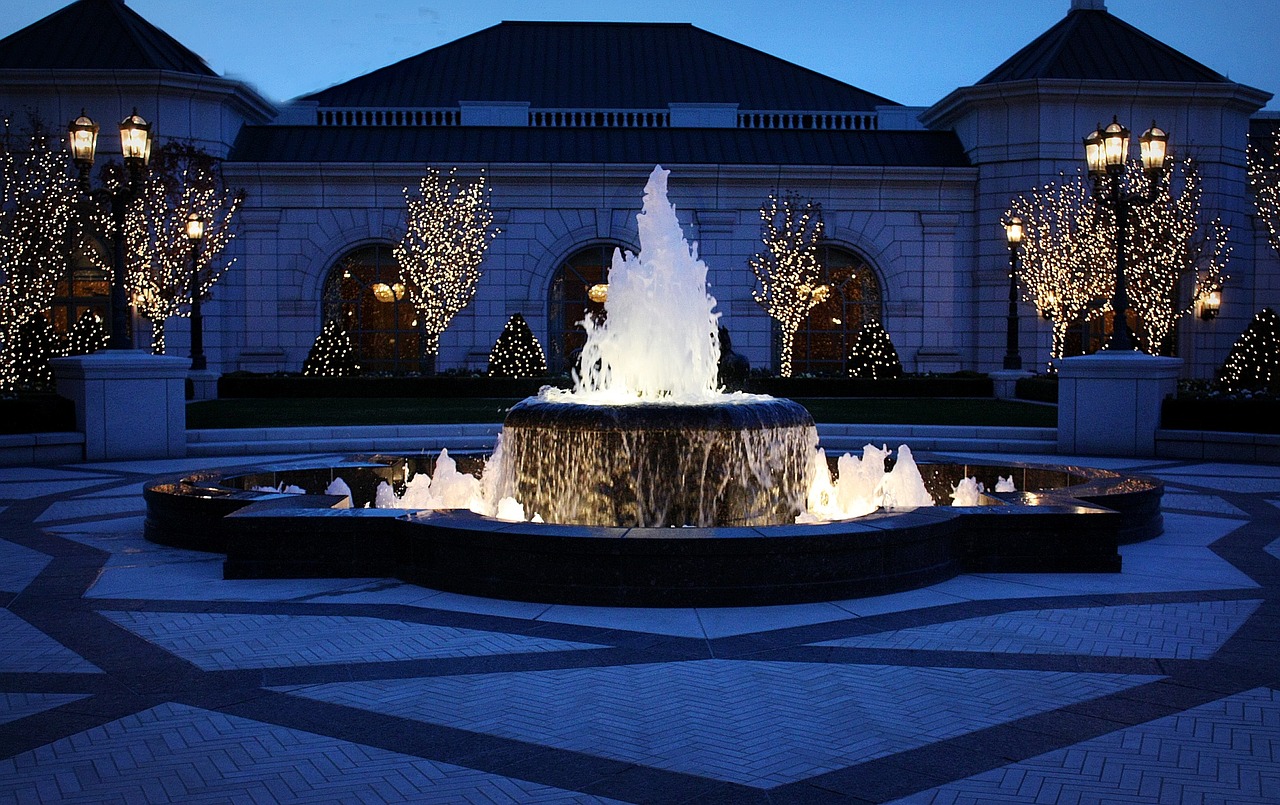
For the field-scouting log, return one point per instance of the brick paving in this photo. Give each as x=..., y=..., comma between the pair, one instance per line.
x=133, y=673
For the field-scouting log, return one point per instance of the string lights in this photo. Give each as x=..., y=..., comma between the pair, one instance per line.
x=1068, y=255
x=183, y=181
x=1254, y=360
x=872, y=354
x=449, y=229
x=1264, y=181
x=517, y=352
x=88, y=335
x=38, y=236
x=788, y=269
x=332, y=354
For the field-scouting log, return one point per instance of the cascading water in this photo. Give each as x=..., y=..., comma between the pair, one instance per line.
x=648, y=438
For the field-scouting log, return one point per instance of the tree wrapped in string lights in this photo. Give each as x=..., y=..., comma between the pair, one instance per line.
x=332, y=354
x=1254, y=360
x=873, y=355
x=1064, y=250
x=183, y=181
x=787, y=270
x=87, y=336
x=1264, y=181
x=517, y=352
x=1068, y=254
x=39, y=233
x=449, y=229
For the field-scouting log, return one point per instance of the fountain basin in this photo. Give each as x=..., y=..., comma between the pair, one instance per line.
x=654, y=465
x=1067, y=519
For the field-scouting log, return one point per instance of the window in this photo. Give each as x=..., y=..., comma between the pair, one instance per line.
x=365, y=293
x=571, y=302
x=85, y=289
x=823, y=340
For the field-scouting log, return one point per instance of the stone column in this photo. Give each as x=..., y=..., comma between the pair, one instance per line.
x=129, y=404
x=1109, y=403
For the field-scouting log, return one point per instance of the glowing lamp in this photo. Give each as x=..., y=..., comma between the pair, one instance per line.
x=1093, y=155
x=1210, y=304
x=387, y=293
x=1013, y=232
x=599, y=293
x=1155, y=146
x=135, y=139
x=1115, y=144
x=82, y=137
x=195, y=228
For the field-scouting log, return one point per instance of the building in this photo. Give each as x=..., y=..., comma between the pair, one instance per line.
x=912, y=198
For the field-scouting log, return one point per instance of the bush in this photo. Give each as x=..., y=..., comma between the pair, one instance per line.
x=873, y=355
x=1254, y=360
x=1040, y=388
x=517, y=352
x=332, y=354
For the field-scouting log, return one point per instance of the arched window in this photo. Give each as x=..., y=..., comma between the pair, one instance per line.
x=86, y=288
x=571, y=302
x=364, y=292
x=823, y=340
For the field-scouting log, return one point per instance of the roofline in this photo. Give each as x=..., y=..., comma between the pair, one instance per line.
x=943, y=114
x=246, y=98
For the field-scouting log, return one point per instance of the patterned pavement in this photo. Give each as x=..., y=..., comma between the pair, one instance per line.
x=130, y=672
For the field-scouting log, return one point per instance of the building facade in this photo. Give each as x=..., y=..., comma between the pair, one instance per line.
x=912, y=198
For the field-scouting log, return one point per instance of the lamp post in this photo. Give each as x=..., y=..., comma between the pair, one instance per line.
x=195, y=231
x=1106, y=152
x=135, y=148
x=1013, y=233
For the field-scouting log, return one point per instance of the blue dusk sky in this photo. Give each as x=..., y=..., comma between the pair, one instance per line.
x=911, y=51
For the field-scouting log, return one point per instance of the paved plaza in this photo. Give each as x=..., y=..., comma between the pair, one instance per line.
x=130, y=672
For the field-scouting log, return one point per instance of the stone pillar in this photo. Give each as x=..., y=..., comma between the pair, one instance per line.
x=204, y=384
x=1004, y=382
x=1109, y=403
x=129, y=404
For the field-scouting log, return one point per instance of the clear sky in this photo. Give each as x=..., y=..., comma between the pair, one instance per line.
x=911, y=51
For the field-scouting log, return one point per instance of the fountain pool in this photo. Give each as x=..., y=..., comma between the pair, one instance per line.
x=648, y=485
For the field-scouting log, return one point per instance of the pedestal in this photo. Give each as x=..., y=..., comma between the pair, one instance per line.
x=1004, y=383
x=204, y=384
x=1109, y=403
x=129, y=404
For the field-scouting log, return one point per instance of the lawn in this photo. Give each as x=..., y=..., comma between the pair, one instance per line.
x=264, y=413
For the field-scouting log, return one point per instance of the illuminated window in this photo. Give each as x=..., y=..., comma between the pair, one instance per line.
x=85, y=289
x=823, y=340
x=571, y=301
x=365, y=293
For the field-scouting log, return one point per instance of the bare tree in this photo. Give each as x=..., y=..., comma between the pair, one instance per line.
x=39, y=232
x=449, y=229
x=183, y=181
x=787, y=270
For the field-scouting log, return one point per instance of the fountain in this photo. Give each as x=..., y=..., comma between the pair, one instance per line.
x=649, y=484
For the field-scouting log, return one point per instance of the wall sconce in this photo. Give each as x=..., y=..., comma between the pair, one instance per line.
x=1210, y=304
x=387, y=293
x=599, y=293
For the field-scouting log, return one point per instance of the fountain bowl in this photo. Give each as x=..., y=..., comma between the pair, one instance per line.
x=1065, y=519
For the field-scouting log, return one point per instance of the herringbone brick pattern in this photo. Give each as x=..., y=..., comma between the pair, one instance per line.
x=14, y=706
x=29, y=650
x=18, y=566
x=176, y=753
x=1227, y=751
x=1210, y=504
x=758, y=723
x=1182, y=631
x=219, y=641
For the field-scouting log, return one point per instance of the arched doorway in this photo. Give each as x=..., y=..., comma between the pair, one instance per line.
x=571, y=301
x=823, y=340
x=365, y=293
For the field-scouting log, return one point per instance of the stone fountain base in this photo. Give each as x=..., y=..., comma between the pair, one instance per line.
x=1067, y=519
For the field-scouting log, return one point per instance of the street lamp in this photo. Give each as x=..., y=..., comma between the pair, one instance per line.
x=195, y=232
x=1013, y=233
x=135, y=148
x=1106, y=152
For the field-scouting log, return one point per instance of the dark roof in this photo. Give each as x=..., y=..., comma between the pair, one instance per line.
x=670, y=146
x=1094, y=45
x=593, y=65
x=97, y=35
